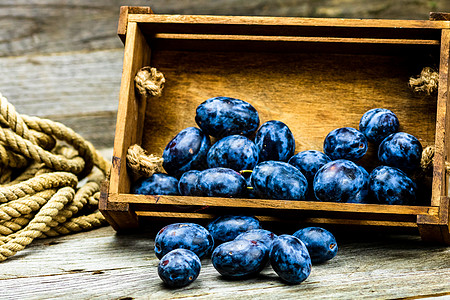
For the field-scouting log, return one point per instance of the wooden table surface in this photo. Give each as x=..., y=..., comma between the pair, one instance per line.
x=63, y=60
x=103, y=265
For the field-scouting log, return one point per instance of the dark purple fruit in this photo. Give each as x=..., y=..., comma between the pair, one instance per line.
x=221, y=182
x=392, y=186
x=279, y=180
x=224, y=116
x=341, y=181
x=290, y=259
x=227, y=228
x=376, y=124
x=400, y=150
x=187, y=185
x=186, y=151
x=321, y=243
x=157, y=184
x=274, y=141
x=240, y=258
x=189, y=236
x=263, y=236
x=235, y=152
x=345, y=143
x=179, y=267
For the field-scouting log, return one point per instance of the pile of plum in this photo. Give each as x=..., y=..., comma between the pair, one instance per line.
x=239, y=248
x=266, y=167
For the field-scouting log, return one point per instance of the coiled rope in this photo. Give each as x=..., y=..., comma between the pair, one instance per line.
x=41, y=165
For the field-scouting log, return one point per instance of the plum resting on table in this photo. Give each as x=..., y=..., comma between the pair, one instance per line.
x=179, y=267
x=274, y=141
x=224, y=116
x=321, y=243
x=189, y=236
x=265, y=237
x=290, y=259
x=227, y=228
x=240, y=258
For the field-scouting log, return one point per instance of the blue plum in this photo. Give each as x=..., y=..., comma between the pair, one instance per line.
x=157, y=184
x=321, y=243
x=179, y=267
x=400, y=150
x=189, y=236
x=345, y=143
x=186, y=151
x=309, y=162
x=187, y=185
x=290, y=259
x=235, y=152
x=274, y=141
x=240, y=258
x=376, y=124
x=265, y=237
x=341, y=181
x=392, y=186
x=227, y=228
x=224, y=116
x=221, y=182
x=279, y=180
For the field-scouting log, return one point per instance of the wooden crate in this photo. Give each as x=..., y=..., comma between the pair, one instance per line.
x=313, y=74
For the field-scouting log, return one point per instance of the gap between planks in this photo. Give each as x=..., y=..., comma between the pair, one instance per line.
x=235, y=37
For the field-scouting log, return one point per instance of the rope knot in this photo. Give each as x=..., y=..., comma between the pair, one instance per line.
x=426, y=82
x=149, y=82
x=141, y=163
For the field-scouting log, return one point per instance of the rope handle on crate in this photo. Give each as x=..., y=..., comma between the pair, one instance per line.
x=427, y=82
x=150, y=83
x=39, y=193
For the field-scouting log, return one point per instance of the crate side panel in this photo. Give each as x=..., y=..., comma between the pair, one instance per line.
x=131, y=111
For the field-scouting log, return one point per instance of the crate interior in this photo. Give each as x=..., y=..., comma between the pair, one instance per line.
x=312, y=92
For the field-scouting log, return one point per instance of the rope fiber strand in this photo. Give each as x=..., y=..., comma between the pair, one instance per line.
x=42, y=163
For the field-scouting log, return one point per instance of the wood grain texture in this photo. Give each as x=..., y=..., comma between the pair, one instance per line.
x=311, y=93
x=47, y=26
x=104, y=265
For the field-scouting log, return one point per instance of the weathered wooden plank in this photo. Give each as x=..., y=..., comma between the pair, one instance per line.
x=78, y=89
x=46, y=26
x=62, y=84
x=97, y=128
x=102, y=265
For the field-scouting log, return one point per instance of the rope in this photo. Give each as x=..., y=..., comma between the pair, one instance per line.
x=141, y=163
x=426, y=162
x=427, y=82
x=41, y=165
x=149, y=82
